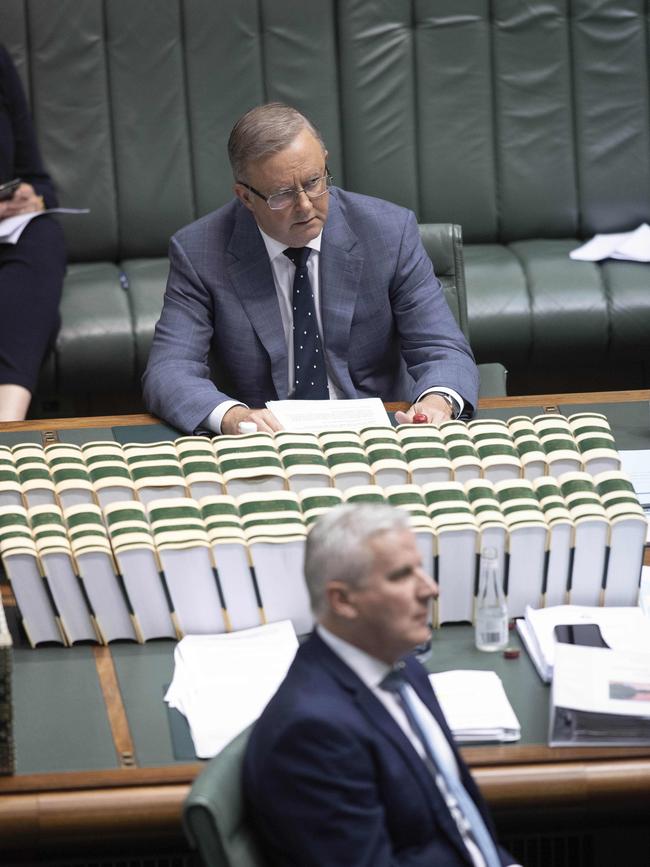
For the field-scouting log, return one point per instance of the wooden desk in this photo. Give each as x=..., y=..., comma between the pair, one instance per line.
x=132, y=792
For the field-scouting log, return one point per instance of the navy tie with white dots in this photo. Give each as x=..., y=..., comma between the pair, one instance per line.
x=308, y=355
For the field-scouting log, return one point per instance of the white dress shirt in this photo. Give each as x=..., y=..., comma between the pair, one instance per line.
x=283, y=272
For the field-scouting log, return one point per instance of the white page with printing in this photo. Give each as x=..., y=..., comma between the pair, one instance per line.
x=315, y=416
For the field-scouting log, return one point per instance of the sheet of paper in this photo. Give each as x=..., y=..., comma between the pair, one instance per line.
x=602, y=681
x=314, y=416
x=223, y=682
x=623, y=628
x=633, y=246
x=636, y=463
x=476, y=706
x=12, y=228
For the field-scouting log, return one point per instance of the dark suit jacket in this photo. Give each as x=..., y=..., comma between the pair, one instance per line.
x=330, y=779
x=388, y=330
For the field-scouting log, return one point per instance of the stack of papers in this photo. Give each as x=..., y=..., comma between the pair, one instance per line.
x=12, y=228
x=600, y=697
x=476, y=706
x=624, y=629
x=633, y=246
x=222, y=683
x=316, y=416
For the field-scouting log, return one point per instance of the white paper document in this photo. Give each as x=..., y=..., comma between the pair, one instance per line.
x=314, y=416
x=600, y=697
x=476, y=706
x=623, y=628
x=223, y=682
x=11, y=228
x=633, y=246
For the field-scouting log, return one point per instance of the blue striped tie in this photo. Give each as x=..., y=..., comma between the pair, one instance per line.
x=396, y=682
x=308, y=354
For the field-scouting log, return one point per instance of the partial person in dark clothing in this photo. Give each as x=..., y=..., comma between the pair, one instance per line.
x=31, y=271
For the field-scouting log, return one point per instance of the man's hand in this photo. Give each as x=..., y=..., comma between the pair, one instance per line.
x=432, y=405
x=24, y=201
x=263, y=418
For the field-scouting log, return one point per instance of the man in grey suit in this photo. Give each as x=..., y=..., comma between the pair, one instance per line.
x=382, y=325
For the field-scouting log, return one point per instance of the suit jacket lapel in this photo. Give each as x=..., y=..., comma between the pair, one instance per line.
x=250, y=273
x=340, y=275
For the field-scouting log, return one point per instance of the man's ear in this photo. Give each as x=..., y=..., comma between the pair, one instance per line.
x=340, y=598
x=244, y=196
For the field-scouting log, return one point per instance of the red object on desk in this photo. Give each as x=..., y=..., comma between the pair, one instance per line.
x=420, y=418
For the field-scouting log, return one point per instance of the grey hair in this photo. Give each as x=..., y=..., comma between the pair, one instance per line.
x=337, y=546
x=265, y=130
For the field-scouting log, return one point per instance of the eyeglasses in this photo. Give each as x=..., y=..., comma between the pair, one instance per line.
x=313, y=189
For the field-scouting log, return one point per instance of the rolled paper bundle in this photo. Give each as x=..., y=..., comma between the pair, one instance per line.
x=529, y=447
x=155, y=469
x=388, y=464
x=108, y=471
x=527, y=544
x=34, y=474
x=38, y=611
x=559, y=549
x=591, y=538
x=316, y=501
x=365, y=494
x=250, y=462
x=60, y=569
x=70, y=475
x=199, y=465
x=11, y=492
x=371, y=436
x=558, y=442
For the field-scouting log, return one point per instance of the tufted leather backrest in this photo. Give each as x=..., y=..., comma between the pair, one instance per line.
x=515, y=120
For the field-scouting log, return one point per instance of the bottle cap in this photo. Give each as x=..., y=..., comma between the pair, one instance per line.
x=511, y=653
x=246, y=427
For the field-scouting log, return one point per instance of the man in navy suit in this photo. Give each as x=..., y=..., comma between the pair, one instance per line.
x=381, y=315
x=334, y=774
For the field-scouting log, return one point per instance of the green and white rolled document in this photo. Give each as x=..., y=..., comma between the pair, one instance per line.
x=72, y=482
x=493, y=530
x=560, y=447
x=628, y=528
x=156, y=470
x=425, y=454
x=233, y=561
x=411, y=499
x=199, y=466
x=61, y=573
x=303, y=460
x=11, y=492
x=527, y=541
x=560, y=539
x=315, y=501
x=141, y=570
x=276, y=533
x=496, y=449
x=34, y=474
x=387, y=460
x=185, y=553
x=38, y=612
x=114, y=614
x=346, y=459
x=249, y=463
x=591, y=539
x=455, y=533
x=108, y=471
x=595, y=441
x=529, y=447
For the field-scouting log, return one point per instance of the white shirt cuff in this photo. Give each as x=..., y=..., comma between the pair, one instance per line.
x=213, y=421
x=450, y=391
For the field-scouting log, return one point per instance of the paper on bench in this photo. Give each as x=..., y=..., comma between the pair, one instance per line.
x=223, y=682
x=329, y=415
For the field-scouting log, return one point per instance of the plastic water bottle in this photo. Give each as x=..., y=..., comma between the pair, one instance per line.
x=491, y=608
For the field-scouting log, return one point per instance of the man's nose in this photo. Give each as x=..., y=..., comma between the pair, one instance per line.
x=428, y=586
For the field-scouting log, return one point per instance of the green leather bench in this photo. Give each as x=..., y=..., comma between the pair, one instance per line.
x=525, y=124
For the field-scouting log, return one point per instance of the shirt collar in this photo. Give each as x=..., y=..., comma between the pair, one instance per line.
x=369, y=670
x=276, y=248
